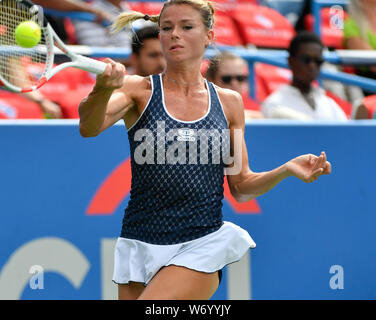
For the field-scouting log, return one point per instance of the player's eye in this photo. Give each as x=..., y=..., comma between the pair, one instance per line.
x=187, y=27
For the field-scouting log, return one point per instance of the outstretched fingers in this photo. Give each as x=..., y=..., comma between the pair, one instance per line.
x=320, y=166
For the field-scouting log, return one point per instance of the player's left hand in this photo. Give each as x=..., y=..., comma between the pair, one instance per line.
x=309, y=167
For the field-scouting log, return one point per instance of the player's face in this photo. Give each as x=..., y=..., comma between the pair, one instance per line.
x=182, y=33
x=306, y=64
x=233, y=74
x=150, y=59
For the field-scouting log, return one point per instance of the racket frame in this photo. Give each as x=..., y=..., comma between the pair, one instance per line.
x=51, y=40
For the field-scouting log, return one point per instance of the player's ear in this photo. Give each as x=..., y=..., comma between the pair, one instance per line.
x=209, y=38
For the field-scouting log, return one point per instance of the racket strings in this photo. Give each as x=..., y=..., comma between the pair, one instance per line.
x=21, y=67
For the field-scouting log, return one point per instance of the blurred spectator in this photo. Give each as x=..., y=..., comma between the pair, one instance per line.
x=230, y=71
x=147, y=57
x=301, y=100
x=97, y=35
x=360, y=32
x=74, y=5
x=57, y=23
x=48, y=107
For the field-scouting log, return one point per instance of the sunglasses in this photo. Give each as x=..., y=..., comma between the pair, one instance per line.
x=308, y=60
x=227, y=79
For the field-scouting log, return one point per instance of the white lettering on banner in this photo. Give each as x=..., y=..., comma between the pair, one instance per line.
x=54, y=254
x=57, y=255
x=238, y=274
x=239, y=279
x=109, y=288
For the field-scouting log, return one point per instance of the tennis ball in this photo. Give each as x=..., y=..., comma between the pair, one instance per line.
x=27, y=34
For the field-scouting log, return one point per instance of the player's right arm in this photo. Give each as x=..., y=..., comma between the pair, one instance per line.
x=109, y=100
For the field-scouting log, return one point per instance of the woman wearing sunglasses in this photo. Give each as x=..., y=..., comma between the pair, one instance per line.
x=230, y=71
x=302, y=100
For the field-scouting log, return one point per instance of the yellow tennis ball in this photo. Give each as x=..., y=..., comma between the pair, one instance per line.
x=27, y=34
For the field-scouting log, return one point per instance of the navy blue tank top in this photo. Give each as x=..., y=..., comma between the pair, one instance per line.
x=177, y=172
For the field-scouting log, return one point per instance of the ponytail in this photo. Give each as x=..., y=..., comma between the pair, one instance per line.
x=126, y=18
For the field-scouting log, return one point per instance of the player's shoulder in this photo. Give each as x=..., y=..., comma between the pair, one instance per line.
x=232, y=103
x=136, y=85
x=137, y=81
x=229, y=96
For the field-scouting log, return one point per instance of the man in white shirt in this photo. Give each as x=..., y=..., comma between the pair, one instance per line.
x=301, y=100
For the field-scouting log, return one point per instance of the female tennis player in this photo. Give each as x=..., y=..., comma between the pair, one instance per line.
x=173, y=242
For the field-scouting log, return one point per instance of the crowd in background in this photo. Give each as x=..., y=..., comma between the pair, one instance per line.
x=292, y=93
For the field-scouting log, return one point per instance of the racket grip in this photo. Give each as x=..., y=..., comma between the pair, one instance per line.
x=90, y=65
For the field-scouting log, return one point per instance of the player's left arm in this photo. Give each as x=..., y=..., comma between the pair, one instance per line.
x=245, y=184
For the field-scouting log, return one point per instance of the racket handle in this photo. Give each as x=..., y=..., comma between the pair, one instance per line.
x=90, y=65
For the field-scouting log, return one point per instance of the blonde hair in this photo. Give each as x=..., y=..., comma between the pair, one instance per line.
x=206, y=9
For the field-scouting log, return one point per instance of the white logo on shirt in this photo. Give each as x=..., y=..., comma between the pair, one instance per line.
x=186, y=135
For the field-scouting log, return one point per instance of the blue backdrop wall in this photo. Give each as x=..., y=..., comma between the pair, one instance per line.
x=314, y=241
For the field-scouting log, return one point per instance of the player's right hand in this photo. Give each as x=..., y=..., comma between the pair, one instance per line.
x=113, y=76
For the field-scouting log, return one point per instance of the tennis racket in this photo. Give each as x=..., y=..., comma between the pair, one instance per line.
x=16, y=63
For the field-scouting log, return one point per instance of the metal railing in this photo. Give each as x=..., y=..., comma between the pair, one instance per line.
x=274, y=57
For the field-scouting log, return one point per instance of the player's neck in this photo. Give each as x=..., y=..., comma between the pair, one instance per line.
x=184, y=77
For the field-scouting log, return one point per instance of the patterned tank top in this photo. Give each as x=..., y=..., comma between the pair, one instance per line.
x=177, y=172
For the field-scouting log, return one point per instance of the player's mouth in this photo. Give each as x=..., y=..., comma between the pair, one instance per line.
x=176, y=47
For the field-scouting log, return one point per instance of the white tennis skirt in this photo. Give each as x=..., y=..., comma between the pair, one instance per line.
x=139, y=261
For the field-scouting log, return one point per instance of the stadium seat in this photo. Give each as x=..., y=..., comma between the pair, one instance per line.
x=370, y=103
x=225, y=31
x=67, y=88
x=345, y=105
x=250, y=104
x=150, y=8
x=136, y=6
x=69, y=103
x=331, y=36
x=262, y=27
x=269, y=78
x=71, y=31
x=14, y=106
x=225, y=7
x=61, y=85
